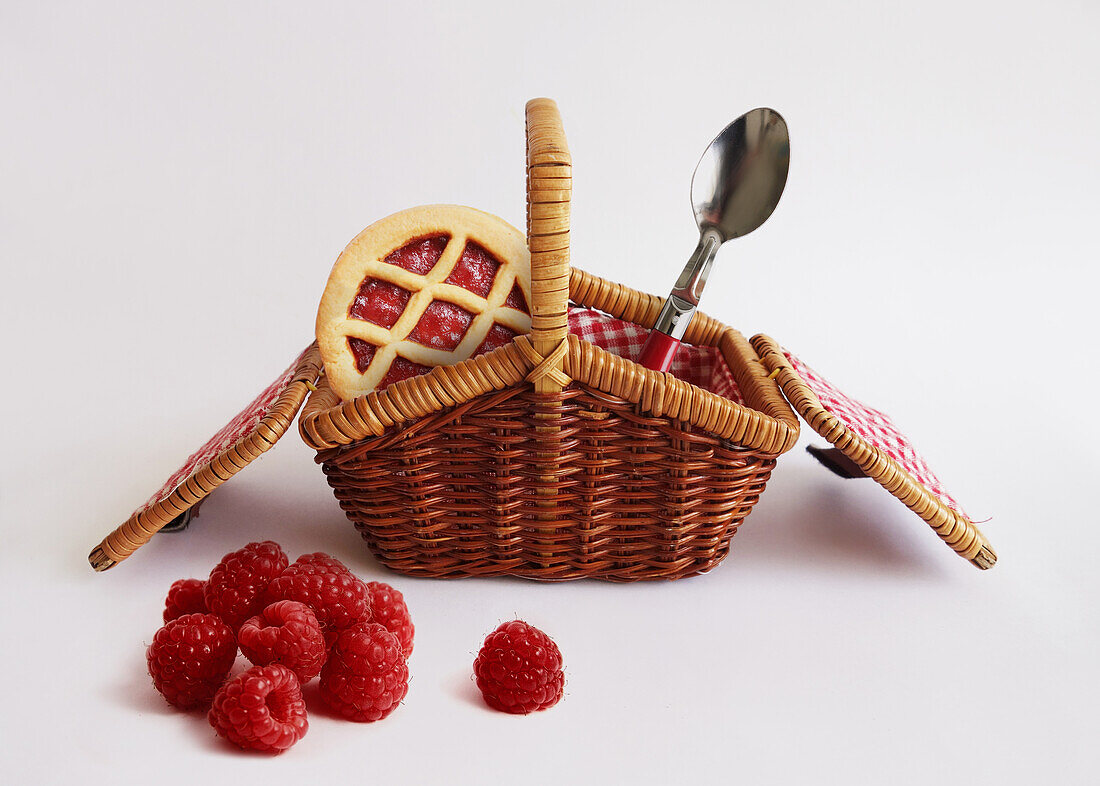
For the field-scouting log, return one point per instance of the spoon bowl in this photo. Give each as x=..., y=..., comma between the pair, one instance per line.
x=740, y=177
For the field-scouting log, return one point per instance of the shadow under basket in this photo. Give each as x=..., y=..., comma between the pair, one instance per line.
x=551, y=458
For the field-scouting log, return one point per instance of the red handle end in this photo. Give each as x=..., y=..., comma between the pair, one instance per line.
x=658, y=352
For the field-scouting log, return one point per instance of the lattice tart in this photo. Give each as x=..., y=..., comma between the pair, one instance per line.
x=428, y=286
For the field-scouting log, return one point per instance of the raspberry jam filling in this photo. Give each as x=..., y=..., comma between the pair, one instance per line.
x=442, y=325
x=363, y=352
x=400, y=369
x=379, y=302
x=419, y=256
x=475, y=270
x=497, y=336
x=516, y=300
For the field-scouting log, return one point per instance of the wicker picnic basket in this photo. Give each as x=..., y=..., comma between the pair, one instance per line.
x=551, y=458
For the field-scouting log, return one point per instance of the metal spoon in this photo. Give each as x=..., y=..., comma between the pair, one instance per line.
x=736, y=186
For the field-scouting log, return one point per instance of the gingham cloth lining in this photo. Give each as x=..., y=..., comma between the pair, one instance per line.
x=230, y=434
x=703, y=367
x=874, y=427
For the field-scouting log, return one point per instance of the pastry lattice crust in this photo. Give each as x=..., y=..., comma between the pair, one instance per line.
x=363, y=259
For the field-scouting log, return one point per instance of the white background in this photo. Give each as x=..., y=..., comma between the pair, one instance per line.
x=175, y=183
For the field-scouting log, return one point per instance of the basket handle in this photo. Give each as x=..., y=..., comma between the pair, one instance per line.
x=549, y=187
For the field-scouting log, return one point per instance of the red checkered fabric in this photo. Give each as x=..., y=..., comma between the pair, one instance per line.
x=703, y=367
x=876, y=428
x=230, y=434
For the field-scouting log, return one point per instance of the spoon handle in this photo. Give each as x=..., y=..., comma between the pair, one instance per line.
x=663, y=341
x=659, y=351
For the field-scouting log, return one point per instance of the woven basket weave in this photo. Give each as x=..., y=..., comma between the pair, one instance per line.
x=550, y=458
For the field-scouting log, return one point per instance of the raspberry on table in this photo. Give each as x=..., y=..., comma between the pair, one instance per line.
x=285, y=632
x=236, y=585
x=366, y=675
x=519, y=669
x=185, y=596
x=190, y=657
x=388, y=609
x=337, y=596
x=261, y=709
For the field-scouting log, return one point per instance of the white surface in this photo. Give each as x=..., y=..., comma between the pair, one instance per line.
x=174, y=185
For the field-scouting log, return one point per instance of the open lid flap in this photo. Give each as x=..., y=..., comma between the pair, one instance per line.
x=253, y=431
x=870, y=445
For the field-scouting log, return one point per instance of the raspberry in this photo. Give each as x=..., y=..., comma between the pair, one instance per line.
x=366, y=676
x=261, y=709
x=336, y=595
x=185, y=597
x=388, y=608
x=190, y=657
x=519, y=669
x=236, y=586
x=286, y=632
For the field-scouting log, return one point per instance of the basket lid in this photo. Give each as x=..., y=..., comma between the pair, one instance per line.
x=251, y=432
x=868, y=444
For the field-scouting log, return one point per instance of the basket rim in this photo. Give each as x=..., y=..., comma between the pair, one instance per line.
x=765, y=422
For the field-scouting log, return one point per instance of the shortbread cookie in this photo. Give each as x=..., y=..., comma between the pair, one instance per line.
x=429, y=286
